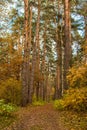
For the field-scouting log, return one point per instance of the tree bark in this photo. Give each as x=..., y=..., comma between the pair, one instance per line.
x=85, y=19
x=30, y=40
x=26, y=56
x=67, y=40
x=34, y=53
x=59, y=58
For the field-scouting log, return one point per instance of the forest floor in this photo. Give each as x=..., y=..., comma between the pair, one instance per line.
x=37, y=118
x=44, y=118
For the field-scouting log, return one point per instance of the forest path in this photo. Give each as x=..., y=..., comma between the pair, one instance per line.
x=38, y=118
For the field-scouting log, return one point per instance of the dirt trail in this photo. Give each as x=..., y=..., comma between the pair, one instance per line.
x=38, y=118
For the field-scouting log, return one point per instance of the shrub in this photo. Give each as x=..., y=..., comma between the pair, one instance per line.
x=77, y=76
x=40, y=102
x=6, y=109
x=74, y=99
x=59, y=104
x=10, y=91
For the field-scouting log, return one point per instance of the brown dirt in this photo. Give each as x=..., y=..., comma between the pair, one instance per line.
x=37, y=118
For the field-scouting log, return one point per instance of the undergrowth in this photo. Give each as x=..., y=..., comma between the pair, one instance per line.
x=74, y=99
x=73, y=108
x=38, y=102
x=73, y=120
x=7, y=115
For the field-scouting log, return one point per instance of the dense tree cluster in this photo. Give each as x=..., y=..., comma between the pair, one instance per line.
x=39, y=42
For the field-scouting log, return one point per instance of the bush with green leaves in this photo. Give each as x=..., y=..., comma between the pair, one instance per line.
x=74, y=99
x=6, y=109
x=59, y=104
x=36, y=102
x=10, y=91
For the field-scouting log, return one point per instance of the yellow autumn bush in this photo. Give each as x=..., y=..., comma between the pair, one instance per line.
x=77, y=76
x=74, y=99
x=10, y=91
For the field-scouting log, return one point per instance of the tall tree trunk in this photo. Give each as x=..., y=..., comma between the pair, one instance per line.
x=34, y=53
x=38, y=49
x=26, y=56
x=30, y=39
x=44, y=62
x=67, y=40
x=37, y=91
x=58, y=46
x=62, y=54
x=85, y=19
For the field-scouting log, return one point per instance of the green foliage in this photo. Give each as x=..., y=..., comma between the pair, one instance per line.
x=74, y=99
x=34, y=99
x=10, y=91
x=77, y=76
x=59, y=104
x=40, y=102
x=6, y=109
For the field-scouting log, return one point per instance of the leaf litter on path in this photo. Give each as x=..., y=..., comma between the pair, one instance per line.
x=37, y=118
